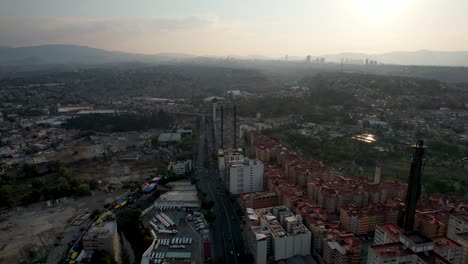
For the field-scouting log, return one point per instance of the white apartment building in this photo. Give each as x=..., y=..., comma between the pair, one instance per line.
x=276, y=234
x=228, y=155
x=244, y=176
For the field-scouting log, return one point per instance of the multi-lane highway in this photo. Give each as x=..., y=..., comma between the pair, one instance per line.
x=226, y=235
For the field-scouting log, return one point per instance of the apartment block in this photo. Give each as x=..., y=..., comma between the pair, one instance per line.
x=432, y=223
x=412, y=247
x=244, y=176
x=362, y=221
x=458, y=231
x=458, y=223
x=276, y=234
x=387, y=233
x=228, y=155
x=259, y=200
x=342, y=249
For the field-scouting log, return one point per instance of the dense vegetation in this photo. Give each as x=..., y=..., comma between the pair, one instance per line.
x=332, y=149
x=65, y=184
x=7, y=191
x=359, y=158
x=120, y=123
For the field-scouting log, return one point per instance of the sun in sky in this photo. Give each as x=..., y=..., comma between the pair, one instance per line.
x=378, y=10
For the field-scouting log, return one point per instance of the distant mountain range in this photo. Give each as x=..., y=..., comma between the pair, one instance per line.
x=57, y=54
x=65, y=54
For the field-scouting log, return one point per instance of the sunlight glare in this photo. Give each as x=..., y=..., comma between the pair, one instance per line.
x=378, y=9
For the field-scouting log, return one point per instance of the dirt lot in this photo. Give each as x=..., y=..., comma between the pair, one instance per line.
x=36, y=232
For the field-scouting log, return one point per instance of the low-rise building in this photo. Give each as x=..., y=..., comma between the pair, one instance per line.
x=181, y=167
x=168, y=139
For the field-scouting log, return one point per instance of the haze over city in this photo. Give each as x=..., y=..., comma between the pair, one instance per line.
x=233, y=132
x=224, y=28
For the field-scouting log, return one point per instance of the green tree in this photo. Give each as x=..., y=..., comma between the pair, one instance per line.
x=210, y=217
x=7, y=196
x=93, y=184
x=37, y=187
x=29, y=170
x=186, y=144
x=94, y=213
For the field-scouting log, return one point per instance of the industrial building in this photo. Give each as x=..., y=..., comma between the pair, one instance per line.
x=244, y=176
x=183, y=194
x=276, y=234
x=168, y=139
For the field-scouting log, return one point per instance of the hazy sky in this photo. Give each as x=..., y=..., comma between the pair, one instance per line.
x=238, y=27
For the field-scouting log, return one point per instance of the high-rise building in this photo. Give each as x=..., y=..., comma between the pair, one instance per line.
x=228, y=155
x=244, y=176
x=225, y=126
x=308, y=58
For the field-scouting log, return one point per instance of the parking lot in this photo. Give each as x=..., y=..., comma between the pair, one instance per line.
x=185, y=235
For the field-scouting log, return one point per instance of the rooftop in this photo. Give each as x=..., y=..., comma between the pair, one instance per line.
x=392, y=230
x=416, y=238
x=279, y=220
x=178, y=255
x=391, y=250
x=169, y=137
x=443, y=243
x=102, y=230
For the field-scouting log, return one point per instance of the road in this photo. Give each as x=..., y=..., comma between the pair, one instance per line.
x=225, y=230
